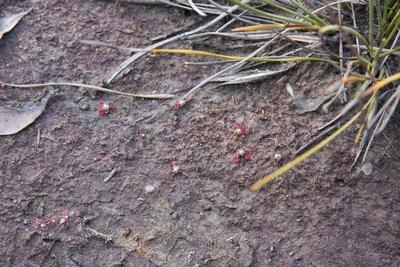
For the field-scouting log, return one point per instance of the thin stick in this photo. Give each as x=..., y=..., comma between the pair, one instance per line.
x=355, y=26
x=236, y=36
x=340, y=42
x=98, y=43
x=38, y=138
x=393, y=45
x=110, y=175
x=209, y=62
x=177, y=31
x=87, y=86
x=231, y=14
x=195, y=8
x=384, y=50
x=334, y=3
x=142, y=2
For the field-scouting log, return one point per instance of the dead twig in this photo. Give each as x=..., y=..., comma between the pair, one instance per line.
x=98, y=43
x=38, y=138
x=110, y=175
x=231, y=14
x=195, y=8
x=142, y=2
x=87, y=86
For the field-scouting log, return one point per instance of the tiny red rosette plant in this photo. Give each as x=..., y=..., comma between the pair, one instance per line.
x=104, y=108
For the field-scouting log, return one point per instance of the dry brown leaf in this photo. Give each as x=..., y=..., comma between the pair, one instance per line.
x=7, y=23
x=305, y=104
x=13, y=120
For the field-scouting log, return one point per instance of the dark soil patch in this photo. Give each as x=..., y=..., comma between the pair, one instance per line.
x=57, y=211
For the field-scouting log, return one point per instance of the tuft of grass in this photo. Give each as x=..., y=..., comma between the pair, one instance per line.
x=385, y=36
x=370, y=54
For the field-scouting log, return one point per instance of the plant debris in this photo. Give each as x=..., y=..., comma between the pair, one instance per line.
x=8, y=23
x=13, y=120
x=304, y=104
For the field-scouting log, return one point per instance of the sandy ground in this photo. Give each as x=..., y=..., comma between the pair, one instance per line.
x=56, y=209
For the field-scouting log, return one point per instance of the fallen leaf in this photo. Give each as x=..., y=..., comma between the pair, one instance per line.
x=289, y=89
x=13, y=120
x=7, y=23
x=304, y=104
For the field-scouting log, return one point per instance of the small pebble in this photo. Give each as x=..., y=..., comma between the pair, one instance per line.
x=367, y=168
x=298, y=258
x=149, y=188
x=84, y=105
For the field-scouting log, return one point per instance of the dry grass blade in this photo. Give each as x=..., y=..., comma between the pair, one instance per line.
x=338, y=2
x=390, y=111
x=122, y=48
x=264, y=27
x=250, y=76
x=230, y=68
x=234, y=16
x=259, y=27
x=195, y=8
x=87, y=86
x=260, y=183
x=303, y=38
x=138, y=55
x=253, y=59
x=141, y=2
x=379, y=85
x=390, y=105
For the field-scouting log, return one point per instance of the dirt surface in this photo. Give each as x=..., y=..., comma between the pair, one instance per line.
x=56, y=209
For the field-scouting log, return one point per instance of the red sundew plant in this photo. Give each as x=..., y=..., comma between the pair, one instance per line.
x=178, y=104
x=65, y=217
x=97, y=158
x=247, y=155
x=241, y=155
x=173, y=167
x=235, y=159
x=44, y=223
x=241, y=129
x=104, y=108
x=142, y=133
